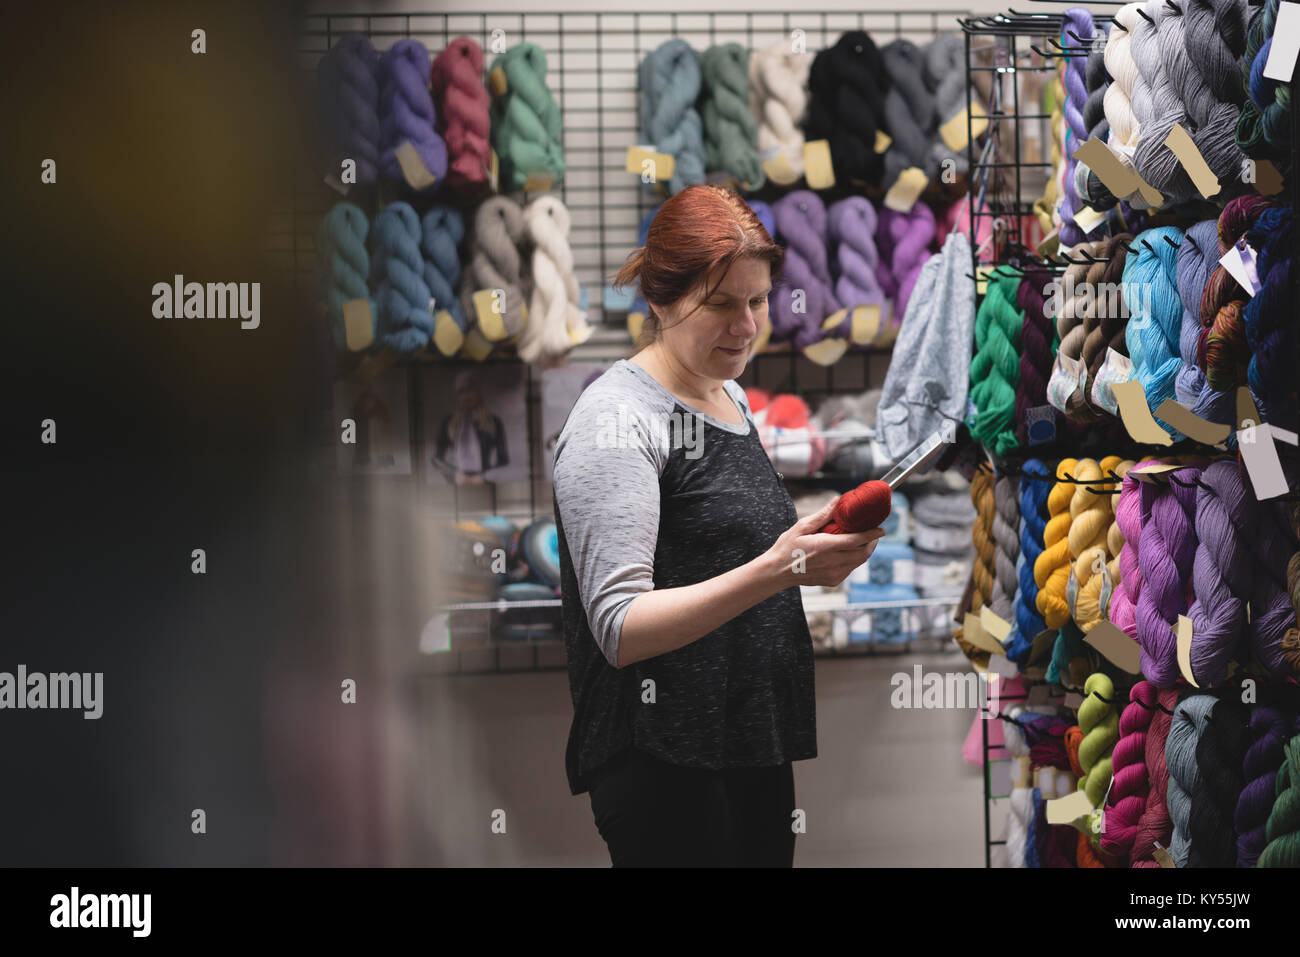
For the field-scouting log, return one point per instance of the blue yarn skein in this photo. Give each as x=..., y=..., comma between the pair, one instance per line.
x=765, y=215
x=348, y=102
x=1272, y=369
x=342, y=263
x=1156, y=315
x=669, y=78
x=1033, y=525
x=406, y=112
x=441, y=233
x=404, y=323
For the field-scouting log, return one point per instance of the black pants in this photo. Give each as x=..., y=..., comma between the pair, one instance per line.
x=654, y=814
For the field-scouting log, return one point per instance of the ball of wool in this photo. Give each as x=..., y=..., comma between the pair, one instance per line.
x=995, y=366
x=862, y=508
x=1156, y=314
x=404, y=322
x=348, y=106
x=804, y=295
x=1189, y=721
x=526, y=126
x=342, y=263
x=406, y=112
x=463, y=107
x=1052, y=569
x=730, y=131
x=778, y=100
x=1268, y=736
x=847, y=84
x=1099, y=722
x=1128, y=795
x=1166, y=557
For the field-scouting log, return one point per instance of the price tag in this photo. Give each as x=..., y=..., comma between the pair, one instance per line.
x=358, y=324
x=817, y=167
x=902, y=196
x=417, y=175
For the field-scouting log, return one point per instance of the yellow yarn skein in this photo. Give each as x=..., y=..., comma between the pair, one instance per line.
x=1056, y=551
x=1095, y=554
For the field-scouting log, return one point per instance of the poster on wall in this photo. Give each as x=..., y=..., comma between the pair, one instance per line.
x=476, y=425
x=561, y=387
x=378, y=440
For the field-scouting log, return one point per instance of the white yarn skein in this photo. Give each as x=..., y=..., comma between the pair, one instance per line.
x=554, y=319
x=1021, y=810
x=778, y=98
x=1118, y=103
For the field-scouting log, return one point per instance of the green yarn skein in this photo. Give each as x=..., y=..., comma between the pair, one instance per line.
x=1099, y=723
x=730, y=130
x=1283, y=848
x=526, y=131
x=995, y=367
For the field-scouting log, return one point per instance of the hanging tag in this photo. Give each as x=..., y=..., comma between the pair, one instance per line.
x=1235, y=261
x=1183, y=635
x=902, y=196
x=1259, y=452
x=1116, y=367
x=417, y=175
x=1068, y=809
x=497, y=81
x=1115, y=646
x=1136, y=415
x=1072, y=590
x=882, y=141
x=358, y=324
x=1198, y=171
x=1040, y=424
x=1064, y=380
x=817, y=167
x=1087, y=218
x=1285, y=43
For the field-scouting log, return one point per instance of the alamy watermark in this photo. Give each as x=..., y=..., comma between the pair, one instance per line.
x=75, y=691
x=946, y=690
x=621, y=428
x=1074, y=300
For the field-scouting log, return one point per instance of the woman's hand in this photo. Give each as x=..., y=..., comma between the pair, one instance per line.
x=808, y=557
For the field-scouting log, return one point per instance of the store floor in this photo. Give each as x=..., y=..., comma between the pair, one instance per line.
x=888, y=789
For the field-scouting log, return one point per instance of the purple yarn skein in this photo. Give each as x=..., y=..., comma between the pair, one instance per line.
x=406, y=112
x=1269, y=731
x=1077, y=20
x=804, y=295
x=903, y=240
x=1221, y=572
x=1166, y=554
x=852, y=225
x=1271, y=611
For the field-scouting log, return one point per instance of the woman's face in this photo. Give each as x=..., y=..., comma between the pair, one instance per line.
x=715, y=341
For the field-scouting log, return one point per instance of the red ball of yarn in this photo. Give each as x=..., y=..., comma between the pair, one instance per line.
x=860, y=509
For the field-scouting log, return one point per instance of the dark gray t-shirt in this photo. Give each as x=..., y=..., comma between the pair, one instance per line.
x=651, y=493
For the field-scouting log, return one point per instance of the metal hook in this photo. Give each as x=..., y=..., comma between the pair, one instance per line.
x=1170, y=242
x=1142, y=13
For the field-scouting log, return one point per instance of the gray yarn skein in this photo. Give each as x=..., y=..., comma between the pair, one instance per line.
x=1006, y=539
x=909, y=113
x=945, y=77
x=1154, y=161
x=1190, y=718
x=496, y=263
x=1214, y=40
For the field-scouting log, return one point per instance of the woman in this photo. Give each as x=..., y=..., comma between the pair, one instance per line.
x=690, y=662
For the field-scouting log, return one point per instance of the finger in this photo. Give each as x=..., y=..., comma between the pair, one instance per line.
x=818, y=518
x=860, y=539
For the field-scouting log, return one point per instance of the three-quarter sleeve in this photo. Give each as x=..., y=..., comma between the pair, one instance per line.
x=607, y=497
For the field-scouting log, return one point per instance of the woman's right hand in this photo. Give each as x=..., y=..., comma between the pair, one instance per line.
x=806, y=556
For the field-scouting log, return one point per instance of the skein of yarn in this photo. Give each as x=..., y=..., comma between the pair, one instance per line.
x=847, y=84
x=1126, y=84
x=983, y=569
x=495, y=263
x=1219, y=755
x=1166, y=557
x=945, y=77
x=1197, y=259
x=1037, y=345
x=730, y=131
x=778, y=100
x=1099, y=722
x=555, y=322
x=1189, y=721
x=407, y=116
x=669, y=78
x=903, y=241
x=1221, y=572
x=995, y=366
x=1283, y=832
x=1128, y=516
x=1269, y=317
x=851, y=226
x=1155, y=162
x=1128, y=796
x=1096, y=568
x=343, y=264
x=805, y=294
x=348, y=106
x=1090, y=521
x=1109, y=334
x=441, y=232
x=1271, y=613
x=1264, y=126
x=526, y=126
x=1052, y=569
x=462, y=104
x=1076, y=28
x=1089, y=187
x=1155, y=311
x=1006, y=540
x=1033, y=523
x=909, y=113
x=1155, y=826
x=1269, y=729
x=1201, y=63
x=404, y=322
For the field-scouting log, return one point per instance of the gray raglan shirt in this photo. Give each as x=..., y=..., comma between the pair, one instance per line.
x=652, y=493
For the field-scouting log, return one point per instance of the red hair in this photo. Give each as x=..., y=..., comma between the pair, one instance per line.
x=696, y=231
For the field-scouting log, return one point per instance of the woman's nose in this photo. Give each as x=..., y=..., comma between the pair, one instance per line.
x=746, y=324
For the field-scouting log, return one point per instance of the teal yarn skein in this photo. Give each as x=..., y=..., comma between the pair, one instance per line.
x=526, y=129
x=1155, y=323
x=342, y=263
x=730, y=130
x=442, y=230
x=669, y=79
x=995, y=367
x=404, y=323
